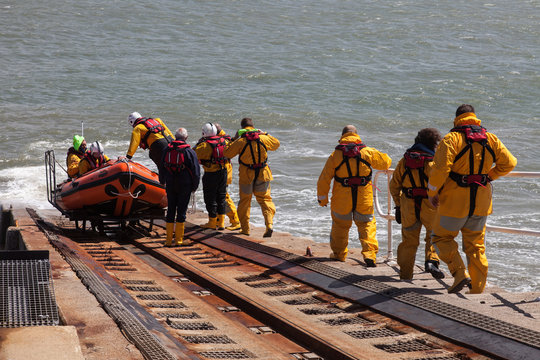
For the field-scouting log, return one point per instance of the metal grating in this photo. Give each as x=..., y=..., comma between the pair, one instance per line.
x=267, y=284
x=171, y=305
x=252, y=278
x=373, y=333
x=405, y=346
x=284, y=292
x=192, y=325
x=138, y=282
x=145, y=288
x=302, y=301
x=227, y=354
x=346, y=321
x=210, y=339
x=191, y=315
x=321, y=311
x=156, y=297
x=480, y=321
x=213, y=261
x=26, y=292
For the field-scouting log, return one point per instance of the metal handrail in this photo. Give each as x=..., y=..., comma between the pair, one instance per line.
x=390, y=217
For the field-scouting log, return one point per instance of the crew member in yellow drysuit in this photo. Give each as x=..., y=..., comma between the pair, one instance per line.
x=462, y=192
x=93, y=158
x=350, y=165
x=409, y=191
x=74, y=155
x=252, y=146
x=230, y=207
x=149, y=133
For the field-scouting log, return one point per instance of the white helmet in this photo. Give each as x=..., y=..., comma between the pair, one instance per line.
x=133, y=117
x=96, y=148
x=209, y=129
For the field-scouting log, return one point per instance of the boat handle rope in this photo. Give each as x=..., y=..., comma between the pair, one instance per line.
x=136, y=195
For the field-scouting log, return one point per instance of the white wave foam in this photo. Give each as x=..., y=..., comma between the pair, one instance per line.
x=24, y=185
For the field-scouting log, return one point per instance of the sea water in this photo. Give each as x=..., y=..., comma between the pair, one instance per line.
x=301, y=69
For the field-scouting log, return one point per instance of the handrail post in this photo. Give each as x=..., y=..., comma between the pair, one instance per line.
x=389, y=254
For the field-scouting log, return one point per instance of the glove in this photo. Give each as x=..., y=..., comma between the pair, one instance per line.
x=323, y=202
x=398, y=214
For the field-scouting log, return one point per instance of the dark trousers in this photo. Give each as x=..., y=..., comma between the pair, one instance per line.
x=215, y=191
x=156, y=151
x=178, y=201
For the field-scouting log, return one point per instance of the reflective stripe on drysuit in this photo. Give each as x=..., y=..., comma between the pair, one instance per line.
x=342, y=201
x=415, y=212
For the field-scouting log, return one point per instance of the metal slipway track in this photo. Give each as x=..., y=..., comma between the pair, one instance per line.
x=472, y=330
x=322, y=324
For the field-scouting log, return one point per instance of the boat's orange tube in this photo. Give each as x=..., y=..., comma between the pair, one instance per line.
x=120, y=188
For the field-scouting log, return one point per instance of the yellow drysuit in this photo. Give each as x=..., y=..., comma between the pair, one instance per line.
x=455, y=201
x=230, y=206
x=411, y=225
x=72, y=162
x=138, y=134
x=342, y=199
x=254, y=181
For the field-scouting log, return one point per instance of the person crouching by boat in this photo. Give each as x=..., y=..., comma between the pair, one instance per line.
x=409, y=191
x=74, y=155
x=230, y=207
x=210, y=151
x=181, y=174
x=149, y=133
x=93, y=158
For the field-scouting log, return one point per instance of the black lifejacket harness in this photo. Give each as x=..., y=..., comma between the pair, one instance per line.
x=353, y=151
x=415, y=161
x=258, y=164
x=153, y=127
x=72, y=151
x=218, y=144
x=473, y=134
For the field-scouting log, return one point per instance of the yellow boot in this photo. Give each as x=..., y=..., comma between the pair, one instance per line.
x=461, y=279
x=211, y=224
x=220, y=223
x=170, y=229
x=235, y=222
x=179, y=233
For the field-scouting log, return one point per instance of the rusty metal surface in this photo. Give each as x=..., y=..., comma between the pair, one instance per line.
x=490, y=336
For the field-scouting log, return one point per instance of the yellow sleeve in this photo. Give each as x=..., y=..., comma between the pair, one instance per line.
x=167, y=132
x=325, y=179
x=234, y=148
x=271, y=143
x=504, y=160
x=442, y=163
x=134, y=143
x=380, y=160
x=73, y=165
x=396, y=183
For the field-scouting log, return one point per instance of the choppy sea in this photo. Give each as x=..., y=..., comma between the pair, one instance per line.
x=301, y=69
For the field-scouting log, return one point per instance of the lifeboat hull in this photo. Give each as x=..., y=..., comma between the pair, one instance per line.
x=122, y=189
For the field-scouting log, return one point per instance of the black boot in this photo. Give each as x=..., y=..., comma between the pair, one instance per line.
x=432, y=267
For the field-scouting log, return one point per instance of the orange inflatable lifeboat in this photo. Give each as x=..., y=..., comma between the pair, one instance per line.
x=121, y=188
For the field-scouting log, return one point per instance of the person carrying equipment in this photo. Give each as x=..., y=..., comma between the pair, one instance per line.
x=252, y=146
x=93, y=158
x=408, y=187
x=148, y=133
x=466, y=161
x=74, y=155
x=230, y=207
x=210, y=152
x=181, y=174
x=350, y=166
